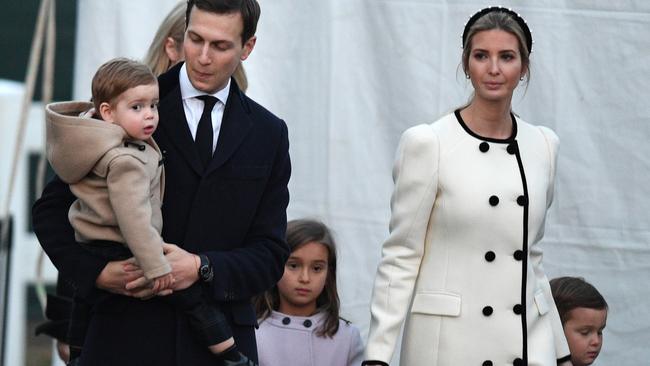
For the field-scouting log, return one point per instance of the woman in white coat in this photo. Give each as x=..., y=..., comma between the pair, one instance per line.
x=462, y=268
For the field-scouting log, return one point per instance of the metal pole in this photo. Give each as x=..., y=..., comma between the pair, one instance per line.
x=6, y=225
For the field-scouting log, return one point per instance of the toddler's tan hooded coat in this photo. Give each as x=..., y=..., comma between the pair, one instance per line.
x=119, y=183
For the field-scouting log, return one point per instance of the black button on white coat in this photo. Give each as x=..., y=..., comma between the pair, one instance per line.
x=484, y=146
x=487, y=363
x=286, y=320
x=518, y=254
x=494, y=200
x=522, y=200
x=517, y=309
x=487, y=311
x=490, y=256
x=518, y=362
x=307, y=323
x=512, y=148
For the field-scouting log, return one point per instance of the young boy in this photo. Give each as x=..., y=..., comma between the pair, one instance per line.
x=115, y=170
x=583, y=312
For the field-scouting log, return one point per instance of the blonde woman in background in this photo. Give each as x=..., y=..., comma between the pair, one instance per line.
x=166, y=48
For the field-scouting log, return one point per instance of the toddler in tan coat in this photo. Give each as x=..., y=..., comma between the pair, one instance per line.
x=115, y=170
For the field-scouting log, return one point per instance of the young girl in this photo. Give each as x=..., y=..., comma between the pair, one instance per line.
x=583, y=312
x=299, y=318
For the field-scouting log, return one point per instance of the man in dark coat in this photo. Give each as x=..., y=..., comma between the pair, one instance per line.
x=226, y=213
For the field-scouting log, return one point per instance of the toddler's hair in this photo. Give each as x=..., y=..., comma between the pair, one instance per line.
x=117, y=76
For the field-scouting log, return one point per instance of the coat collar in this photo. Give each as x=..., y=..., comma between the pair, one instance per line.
x=235, y=124
x=303, y=323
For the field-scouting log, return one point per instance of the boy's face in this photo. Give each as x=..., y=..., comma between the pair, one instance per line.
x=135, y=110
x=584, y=333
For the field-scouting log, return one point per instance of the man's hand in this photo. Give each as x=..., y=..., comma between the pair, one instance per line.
x=185, y=266
x=63, y=349
x=184, y=270
x=117, y=275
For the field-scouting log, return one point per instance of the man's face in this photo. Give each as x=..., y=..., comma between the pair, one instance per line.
x=213, y=48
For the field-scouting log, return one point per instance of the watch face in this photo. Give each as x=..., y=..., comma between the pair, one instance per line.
x=205, y=270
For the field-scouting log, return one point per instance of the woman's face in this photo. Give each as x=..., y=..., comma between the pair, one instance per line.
x=495, y=65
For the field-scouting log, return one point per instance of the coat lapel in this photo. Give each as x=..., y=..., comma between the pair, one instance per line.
x=235, y=125
x=175, y=124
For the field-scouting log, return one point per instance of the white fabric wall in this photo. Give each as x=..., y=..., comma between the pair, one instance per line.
x=349, y=76
x=107, y=29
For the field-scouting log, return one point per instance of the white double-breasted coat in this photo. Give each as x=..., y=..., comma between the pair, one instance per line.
x=461, y=268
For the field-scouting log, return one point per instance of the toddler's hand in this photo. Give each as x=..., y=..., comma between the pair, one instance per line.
x=163, y=282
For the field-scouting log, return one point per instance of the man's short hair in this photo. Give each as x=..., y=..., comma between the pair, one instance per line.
x=117, y=76
x=249, y=10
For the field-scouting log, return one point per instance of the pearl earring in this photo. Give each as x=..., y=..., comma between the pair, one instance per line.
x=466, y=76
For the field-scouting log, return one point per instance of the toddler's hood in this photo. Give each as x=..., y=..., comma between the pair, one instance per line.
x=75, y=143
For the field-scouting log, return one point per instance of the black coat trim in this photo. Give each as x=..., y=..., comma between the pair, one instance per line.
x=512, y=137
x=524, y=262
x=564, y=359
x=373, y=362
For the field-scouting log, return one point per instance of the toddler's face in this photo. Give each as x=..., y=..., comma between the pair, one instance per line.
x=584, y=332
x=136, y=111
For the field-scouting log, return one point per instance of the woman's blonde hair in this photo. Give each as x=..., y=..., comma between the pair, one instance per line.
x=172, y=26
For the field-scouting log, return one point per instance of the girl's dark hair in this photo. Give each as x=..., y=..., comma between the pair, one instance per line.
x=299, y=233
x=574, y=292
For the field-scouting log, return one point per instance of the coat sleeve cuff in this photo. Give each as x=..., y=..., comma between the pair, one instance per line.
x=373, y=362
x=564, y=359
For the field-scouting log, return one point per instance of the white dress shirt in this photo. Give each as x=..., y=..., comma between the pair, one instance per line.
x=194, y=107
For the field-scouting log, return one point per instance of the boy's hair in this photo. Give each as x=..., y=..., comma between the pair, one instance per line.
x=117, y=76
x=249, y=10
x=574, y=292
x=299, y=233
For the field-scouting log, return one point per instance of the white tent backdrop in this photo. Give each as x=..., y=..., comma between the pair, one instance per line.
x=349, y=76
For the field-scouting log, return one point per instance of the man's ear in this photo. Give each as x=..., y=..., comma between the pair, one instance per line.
x=106, y=112
x=248, y=47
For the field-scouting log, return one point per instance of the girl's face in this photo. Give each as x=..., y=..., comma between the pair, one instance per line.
x=304, y=279
x=495, y=65
x=584, y=333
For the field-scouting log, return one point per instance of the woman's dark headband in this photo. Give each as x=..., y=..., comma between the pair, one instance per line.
x=515, y=16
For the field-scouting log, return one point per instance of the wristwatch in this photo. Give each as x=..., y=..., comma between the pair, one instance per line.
x=205, y=269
